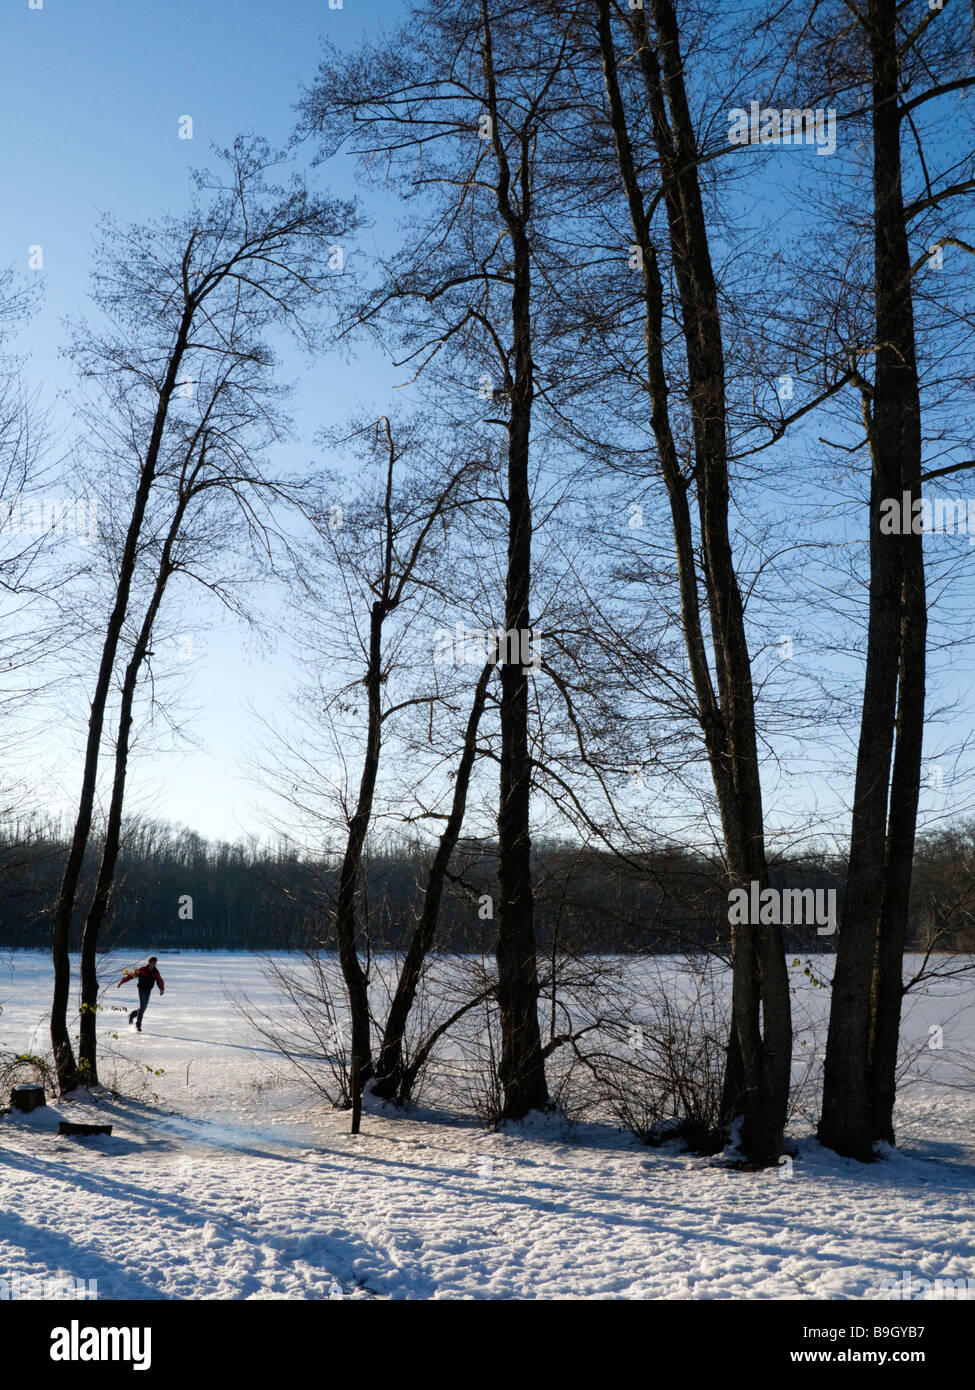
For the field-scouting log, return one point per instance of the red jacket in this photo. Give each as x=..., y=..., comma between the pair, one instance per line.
x=146, y=975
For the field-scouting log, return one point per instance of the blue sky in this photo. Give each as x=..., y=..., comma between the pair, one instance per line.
x=91, y=97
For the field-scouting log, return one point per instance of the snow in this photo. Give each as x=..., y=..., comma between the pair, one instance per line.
x=234, y=1183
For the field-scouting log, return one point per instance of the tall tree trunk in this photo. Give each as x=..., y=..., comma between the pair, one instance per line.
x=844, y=1124
x=391, y=1075
x=897, y=419
x=61, y=914
x=760, y=1059
x=345, y=912
x=858, y=1085
x=88, y=1040
x=905, y=785
x=522, y=1065
x=737, y=1086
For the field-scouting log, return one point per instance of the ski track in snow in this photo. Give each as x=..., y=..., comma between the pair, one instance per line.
x=233, y=1186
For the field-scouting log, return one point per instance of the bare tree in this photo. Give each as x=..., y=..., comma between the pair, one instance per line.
x=186, y=302
x=391, y=1073
x=886, y=71
x=386, y=552
x=759, y=1058
x=466, y=93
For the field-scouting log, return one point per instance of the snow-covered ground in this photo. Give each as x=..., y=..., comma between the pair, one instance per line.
x=232, y=1183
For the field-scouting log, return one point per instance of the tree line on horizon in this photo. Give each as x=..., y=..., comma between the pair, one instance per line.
x=253, y=897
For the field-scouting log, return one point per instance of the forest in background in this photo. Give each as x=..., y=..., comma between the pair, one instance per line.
x=252, y=897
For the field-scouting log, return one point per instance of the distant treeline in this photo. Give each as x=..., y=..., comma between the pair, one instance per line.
x=178, y=890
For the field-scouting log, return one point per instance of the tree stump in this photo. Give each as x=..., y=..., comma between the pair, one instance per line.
x=27, y=1097
x=68, y=1127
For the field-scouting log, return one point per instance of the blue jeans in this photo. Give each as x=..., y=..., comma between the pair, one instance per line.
x=136, y=1014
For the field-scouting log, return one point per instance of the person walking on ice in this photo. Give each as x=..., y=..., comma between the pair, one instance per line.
x=147, y=975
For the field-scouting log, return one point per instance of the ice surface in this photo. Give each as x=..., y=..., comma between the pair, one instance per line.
x=236, y=1184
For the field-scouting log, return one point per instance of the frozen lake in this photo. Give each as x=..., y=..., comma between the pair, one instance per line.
x=226, y=1177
